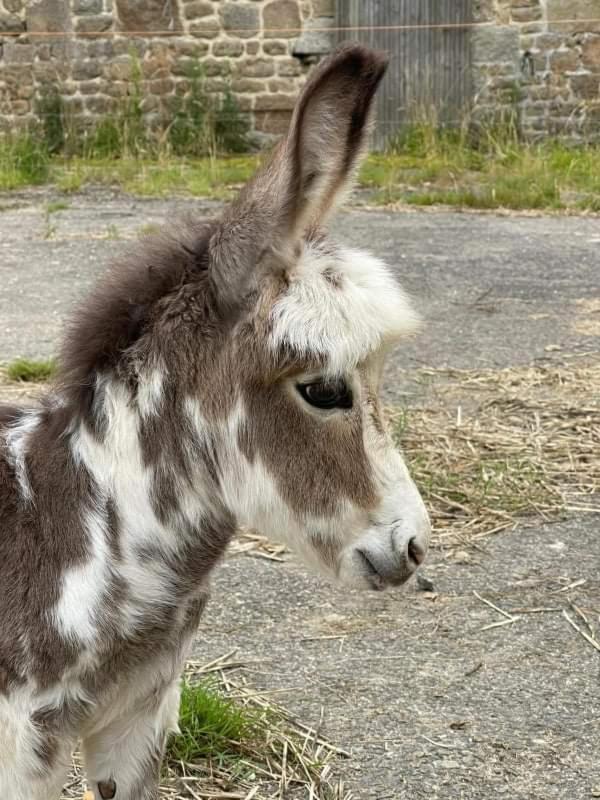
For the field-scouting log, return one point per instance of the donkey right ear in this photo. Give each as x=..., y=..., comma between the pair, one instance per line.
x=328, y=132
x=309, y=172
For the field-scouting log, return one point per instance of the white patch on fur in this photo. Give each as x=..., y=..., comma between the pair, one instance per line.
x=117, y=466
x=16, y=438
x=150, y=392
x=345, y=322
x=83, y=587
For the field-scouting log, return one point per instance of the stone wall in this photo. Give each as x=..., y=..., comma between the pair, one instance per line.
x=233, y=40
x=526, y=61
x=532, y=62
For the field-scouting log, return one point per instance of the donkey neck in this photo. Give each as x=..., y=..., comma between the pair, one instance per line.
x=156, y=477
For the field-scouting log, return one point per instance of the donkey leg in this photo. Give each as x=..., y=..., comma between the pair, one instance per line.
x=33, y=766
x=123, y=757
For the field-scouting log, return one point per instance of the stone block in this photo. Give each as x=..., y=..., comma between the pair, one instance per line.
x=160, y=87
x=119, y=70
x=586, y=87
x=17, y=53
x=275, y=48
x=282, y=85
x=148, y=15
x=228, y=47
x=185, y=47
x=95, y=24
x=197, y=9
x=323, y=8
x=247, y=85
x=125, y=46
x=281, y=20
x=245, y=102
x=14, y=6
x=213, y=66
x=48, y=15
x=289, y=67
x=206, y=29
x=575, y=10
x=255, y=68
x=25, y=91
x=10, y=23
x=315, y=40
x=20, y=107
x=564, y=61
x=590, y=53
x=274, y=122
x=496, y=44
x=87, y=6
x=240, y=19
x=85, y=70
x=275, y=102
x=527, y=14
x=89, y=87
x=547, y=41
x=117, y=88
x=252, y=47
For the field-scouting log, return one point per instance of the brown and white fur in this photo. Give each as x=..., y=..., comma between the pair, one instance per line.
x=185, y=407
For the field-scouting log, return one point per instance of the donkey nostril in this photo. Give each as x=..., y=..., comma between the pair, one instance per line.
x=415, y=552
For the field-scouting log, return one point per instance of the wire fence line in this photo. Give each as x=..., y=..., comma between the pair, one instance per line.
x=322, y=29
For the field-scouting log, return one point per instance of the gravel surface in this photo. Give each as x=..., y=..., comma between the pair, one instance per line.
x=427, y=702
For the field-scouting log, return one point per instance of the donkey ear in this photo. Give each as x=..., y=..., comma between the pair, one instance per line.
x=328, y=132
x=307, y=174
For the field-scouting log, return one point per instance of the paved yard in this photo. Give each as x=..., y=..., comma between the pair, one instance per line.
x=428, y=700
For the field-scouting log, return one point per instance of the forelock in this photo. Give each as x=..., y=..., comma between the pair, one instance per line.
x=339, y=307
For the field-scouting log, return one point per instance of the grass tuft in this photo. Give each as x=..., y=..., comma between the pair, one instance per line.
x=211, y=726
x=31, y=371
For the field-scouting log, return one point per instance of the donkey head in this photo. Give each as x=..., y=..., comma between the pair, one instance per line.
x=310, y=460
x=238, y=362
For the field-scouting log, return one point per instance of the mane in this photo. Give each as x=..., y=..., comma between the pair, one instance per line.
x=124, y=304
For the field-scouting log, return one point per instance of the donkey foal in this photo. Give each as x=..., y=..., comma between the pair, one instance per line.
x=225, y=374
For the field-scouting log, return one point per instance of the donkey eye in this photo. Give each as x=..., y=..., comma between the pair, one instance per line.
x=326, y=394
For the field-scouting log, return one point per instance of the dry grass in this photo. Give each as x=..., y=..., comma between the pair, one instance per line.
x=278, y=757
x=491, y=448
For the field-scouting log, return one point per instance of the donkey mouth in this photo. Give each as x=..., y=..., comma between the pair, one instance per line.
x=380, y=574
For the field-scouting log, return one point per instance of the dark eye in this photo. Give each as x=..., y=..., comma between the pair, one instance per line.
x=326, y=394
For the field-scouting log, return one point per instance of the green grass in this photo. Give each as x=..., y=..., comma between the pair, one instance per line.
x=29, y=370
x=211, y=725
x=426, y=166
x=217, y=178
x=498, y=170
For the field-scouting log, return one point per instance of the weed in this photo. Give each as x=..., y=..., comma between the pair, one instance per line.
x=56, y=205
x=49, y=109
x=29, y=370
x=149, y=229
x=112, y=232
x=24, y=160
x=205, y=124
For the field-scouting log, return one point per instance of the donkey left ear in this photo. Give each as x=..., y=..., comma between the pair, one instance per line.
x=308, y=173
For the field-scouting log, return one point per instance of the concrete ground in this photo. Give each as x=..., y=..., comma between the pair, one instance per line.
x=428, y=700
